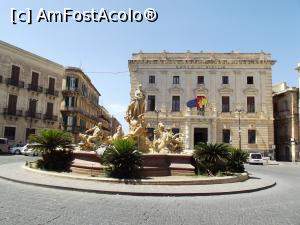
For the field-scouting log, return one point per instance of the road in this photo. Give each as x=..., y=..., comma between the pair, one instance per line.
x=29, y=205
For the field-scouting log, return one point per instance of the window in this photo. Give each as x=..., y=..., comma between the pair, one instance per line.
x=226, y=136
x=15, y=75
x=72, y=83
x=200, y=80
x=70, y=101
x=225, y=104
x=70, y=121
x=10, y=133
x=151, y=79
x=32, y=107
x=176, y=80
x=175, y=103
x=12, y=104
x=225, y=80
x=49, y=110
x=150, y=133
x=251, y=136
x=34, y=81
x=51, y=85
x=82, y=125
x=29, y=131
x=250, y=80
x=250, y=104
x=175, y=130
x=151, y=103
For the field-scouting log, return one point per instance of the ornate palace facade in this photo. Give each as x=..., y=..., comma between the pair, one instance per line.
x=237, y=87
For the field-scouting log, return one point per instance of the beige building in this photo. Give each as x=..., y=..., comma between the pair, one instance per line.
x=80, y=108
x=29, y=91
x=114, y=124
x=105, y=119
x=286, y=122
x=237, y=87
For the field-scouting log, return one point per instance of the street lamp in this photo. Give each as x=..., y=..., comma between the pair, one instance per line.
x=157, y=111
x=240, y=137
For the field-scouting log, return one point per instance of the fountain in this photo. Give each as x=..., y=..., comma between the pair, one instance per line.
x=161, y=157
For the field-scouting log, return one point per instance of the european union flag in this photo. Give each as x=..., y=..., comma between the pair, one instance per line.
x=192, y=103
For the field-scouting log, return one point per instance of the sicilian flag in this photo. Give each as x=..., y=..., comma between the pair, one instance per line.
x=199, y=102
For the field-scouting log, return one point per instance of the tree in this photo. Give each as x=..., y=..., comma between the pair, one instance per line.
x=211, y=158
x=122, y=159
x=56, y=148
x=236, y=160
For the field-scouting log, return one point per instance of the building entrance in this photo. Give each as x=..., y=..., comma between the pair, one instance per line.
x=200, y=135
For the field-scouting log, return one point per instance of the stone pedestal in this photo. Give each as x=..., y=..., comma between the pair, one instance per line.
x=153, y=164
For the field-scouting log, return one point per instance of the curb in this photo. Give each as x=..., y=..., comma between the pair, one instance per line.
x=219, y=180
x=157, y=194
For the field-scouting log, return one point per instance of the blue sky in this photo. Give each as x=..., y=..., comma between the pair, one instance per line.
x=195, y=25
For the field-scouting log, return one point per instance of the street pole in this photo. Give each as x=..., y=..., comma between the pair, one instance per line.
x=240, y=137
x=157, y=112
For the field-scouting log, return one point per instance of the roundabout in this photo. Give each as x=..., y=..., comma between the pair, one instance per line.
x=15, y=172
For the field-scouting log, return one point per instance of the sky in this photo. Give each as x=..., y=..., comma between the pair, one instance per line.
x=195, y=25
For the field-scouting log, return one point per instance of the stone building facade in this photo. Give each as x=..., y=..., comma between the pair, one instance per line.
x=237, y=87
x=79, y=108
x=286, y=122
x=105, y=119
x=30, y=93
x=114, y=124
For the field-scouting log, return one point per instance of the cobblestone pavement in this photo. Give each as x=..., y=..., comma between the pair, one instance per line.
x=23, y=204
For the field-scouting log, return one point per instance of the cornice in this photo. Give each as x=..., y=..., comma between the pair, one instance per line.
x=203, y=61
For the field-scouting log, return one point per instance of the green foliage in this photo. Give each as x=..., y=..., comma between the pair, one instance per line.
x=236, y=160
x=215, y=159
x=56, y=148
x=122, y=159
x=211, y=158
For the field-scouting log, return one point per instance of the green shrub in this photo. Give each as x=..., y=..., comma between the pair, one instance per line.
x=122, y=159
x=56, y=149
x=211, y=158
x=236, y=160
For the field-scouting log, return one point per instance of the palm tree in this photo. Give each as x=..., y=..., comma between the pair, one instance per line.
x=122, y=159
x=236, y=160
x=211, y=158
x=55, y=146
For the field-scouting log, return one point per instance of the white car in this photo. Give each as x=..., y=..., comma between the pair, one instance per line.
x=28, y=151
x=16, y=150
x=255, y=158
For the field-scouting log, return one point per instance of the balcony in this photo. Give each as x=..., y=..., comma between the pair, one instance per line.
x=34, y=115
x=69, y=90
x=50, y=117
x=19, y=84
x=35, y=88
x=8, y=112
x=51, y=92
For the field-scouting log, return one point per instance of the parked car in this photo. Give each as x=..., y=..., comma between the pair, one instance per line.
x=16, y=150
x=255, y=158
x=4, y=146
x=26, y=150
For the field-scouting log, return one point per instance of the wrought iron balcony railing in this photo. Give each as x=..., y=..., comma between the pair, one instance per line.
x=33, y=115
x=11, y=112
x=35, y=88
x=16, y=83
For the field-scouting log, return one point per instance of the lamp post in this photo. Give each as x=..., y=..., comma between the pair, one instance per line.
x=240, y=136
x=157, y=111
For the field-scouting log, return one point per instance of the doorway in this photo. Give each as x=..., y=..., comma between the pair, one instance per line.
x=200, y=135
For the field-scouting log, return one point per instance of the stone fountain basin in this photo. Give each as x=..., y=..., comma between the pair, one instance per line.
x=154, y=165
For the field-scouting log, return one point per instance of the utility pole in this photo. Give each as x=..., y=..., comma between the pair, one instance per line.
x=157, y=112
x=240, y=136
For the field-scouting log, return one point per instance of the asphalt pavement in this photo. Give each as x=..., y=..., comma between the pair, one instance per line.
x=23, y=204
